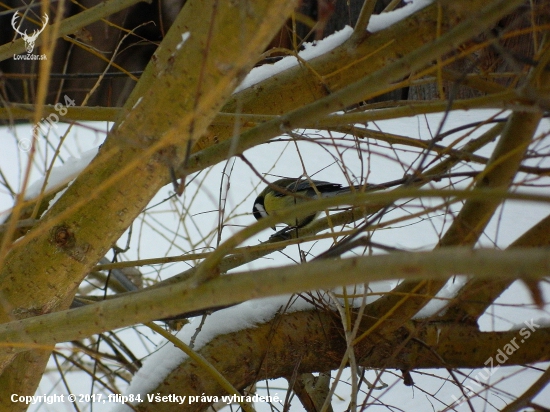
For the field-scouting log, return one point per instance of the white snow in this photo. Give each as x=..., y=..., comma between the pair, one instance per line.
x=61, y=175
x=436, y=306
x=184, y=37
x=137, y=103
x=379, y=22
x=312, y=50
x=246, y=315
x=56, y=198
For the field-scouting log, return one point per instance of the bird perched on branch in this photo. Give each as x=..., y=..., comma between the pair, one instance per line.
x=285, y=193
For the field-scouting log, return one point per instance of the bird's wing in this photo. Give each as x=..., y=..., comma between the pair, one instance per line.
x=304, y=184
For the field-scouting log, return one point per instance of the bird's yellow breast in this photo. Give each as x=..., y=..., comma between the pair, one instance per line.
x=274, y=204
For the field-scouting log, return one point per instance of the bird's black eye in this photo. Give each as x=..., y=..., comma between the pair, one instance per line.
x=259, y=210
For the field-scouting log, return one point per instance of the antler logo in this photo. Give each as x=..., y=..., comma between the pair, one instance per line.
x=29, y=39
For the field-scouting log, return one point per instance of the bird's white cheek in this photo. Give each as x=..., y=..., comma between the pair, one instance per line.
x=259, y=207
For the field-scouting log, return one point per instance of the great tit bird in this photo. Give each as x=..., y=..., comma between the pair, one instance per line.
x=296, y=191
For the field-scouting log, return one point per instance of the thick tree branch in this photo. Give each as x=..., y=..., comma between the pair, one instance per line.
x=143, y=306
x=477, y=295
x=377, y=81
x=474, y=215
x=312, y=341
x=208, y=49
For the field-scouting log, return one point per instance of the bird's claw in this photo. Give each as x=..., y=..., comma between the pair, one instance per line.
x=283, y=234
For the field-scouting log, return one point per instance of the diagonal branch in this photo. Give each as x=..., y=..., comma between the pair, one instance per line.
x=314, y=341
x=165, y=112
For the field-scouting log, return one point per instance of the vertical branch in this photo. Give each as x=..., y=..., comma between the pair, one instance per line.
x=360, y=30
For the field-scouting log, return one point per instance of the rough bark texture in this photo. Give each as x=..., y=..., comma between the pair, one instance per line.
x=183, y=88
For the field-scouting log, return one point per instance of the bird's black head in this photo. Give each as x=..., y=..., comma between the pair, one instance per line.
x=259, y=208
